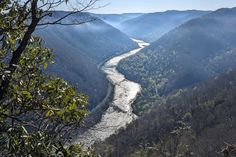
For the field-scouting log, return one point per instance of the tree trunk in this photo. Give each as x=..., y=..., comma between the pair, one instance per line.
x=17, y=54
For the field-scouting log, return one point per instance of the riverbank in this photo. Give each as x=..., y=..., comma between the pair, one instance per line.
x=119, y=111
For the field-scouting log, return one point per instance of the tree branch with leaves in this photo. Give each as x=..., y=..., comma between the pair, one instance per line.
x=37, y=111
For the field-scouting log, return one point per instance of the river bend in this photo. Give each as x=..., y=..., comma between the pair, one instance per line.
x=119, y=112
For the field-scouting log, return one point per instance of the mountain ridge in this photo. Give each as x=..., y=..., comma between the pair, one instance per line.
x=182, y=56
x=150, y=27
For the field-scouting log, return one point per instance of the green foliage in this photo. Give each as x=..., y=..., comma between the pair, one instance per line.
x=22, y=143
x=38, y=110
x=37, y=107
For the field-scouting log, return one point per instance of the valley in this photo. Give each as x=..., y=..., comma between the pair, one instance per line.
x=188, y=92
x=186, y=49
x=135, y=79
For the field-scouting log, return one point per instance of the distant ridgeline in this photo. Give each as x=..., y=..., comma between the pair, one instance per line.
x=80, y=48
x=151, y=26
x=193, y=52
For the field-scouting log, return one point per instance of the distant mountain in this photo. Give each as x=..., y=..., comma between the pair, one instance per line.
x=116, y=19
x=150, y=27
x=80, y=49
x=194, y=52
x=197, y=122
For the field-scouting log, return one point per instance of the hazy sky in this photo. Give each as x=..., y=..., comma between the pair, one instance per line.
x=125, y=6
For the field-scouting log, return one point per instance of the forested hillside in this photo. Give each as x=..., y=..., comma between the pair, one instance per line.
x=197, y=121
x=81, y=48
x=194, y=52
x=150, y=27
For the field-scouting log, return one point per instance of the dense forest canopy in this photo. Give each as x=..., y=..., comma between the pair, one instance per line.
x=197, y=121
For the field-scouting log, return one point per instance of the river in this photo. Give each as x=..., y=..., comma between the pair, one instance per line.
x=119, y=112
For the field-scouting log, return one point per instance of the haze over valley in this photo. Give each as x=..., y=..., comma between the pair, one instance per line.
x=82, y=48
x=143, y=83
